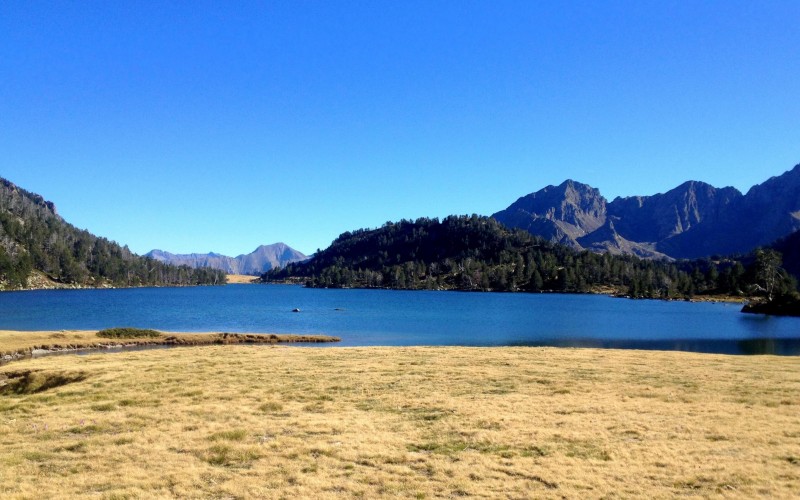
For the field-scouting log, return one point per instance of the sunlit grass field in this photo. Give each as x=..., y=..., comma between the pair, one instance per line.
x=294, y=422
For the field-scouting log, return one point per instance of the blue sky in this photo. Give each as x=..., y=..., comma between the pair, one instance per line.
x=200, y=126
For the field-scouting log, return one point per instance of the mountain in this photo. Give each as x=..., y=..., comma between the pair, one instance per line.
x=261, y=260
x=684, y=222
x=693, y=220
x=770, y=211
x=39, y=248
x=196, y=260
x=561, y=214
x=268, y=257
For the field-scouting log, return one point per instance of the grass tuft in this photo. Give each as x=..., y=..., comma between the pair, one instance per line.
x=229, y=435
x=224, y=455
x=78, y=447
x=104, y=407
x=271, y=407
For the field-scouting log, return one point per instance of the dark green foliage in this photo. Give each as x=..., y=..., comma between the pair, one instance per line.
x=127, y=333
x=33, y=236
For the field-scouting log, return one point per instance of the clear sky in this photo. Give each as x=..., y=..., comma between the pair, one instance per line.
x=200, y=126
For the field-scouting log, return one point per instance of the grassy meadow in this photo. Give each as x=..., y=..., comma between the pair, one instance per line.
x=296, y=422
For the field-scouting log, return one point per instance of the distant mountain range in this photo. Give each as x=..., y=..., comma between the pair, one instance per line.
x=261, y=260
x=694, y=220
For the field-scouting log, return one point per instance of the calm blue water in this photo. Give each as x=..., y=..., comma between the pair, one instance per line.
x=386, y=317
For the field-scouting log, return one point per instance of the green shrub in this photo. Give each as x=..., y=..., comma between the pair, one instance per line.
x=127, y=333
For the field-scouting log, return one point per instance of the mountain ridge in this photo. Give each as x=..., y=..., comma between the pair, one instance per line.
x=260, y=260
x=692, y=220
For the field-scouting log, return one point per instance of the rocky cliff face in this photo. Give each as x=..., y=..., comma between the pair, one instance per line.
x=693, y=220
x=662, y=216
x=261, y=260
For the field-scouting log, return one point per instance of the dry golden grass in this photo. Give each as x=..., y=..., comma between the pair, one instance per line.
x=288, y=422
x=239, y=279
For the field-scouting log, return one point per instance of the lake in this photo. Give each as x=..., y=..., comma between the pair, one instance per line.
x=392, y=318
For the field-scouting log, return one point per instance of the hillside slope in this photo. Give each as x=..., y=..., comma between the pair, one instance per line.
x=35, y=241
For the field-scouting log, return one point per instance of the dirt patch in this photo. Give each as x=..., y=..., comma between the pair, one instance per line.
x=239, y=279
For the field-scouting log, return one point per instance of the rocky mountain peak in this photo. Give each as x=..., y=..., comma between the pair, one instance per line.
x=561, y=213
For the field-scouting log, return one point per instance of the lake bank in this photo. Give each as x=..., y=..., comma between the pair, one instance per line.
x=416, y=422
x=15, y=345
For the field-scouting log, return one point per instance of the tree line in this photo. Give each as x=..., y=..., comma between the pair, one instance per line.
x=479, y=253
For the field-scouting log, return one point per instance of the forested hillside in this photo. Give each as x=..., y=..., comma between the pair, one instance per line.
x=479, y=253
x=34, y=238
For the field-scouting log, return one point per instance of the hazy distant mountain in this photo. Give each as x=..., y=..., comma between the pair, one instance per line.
x=693, y=220
x=261, y=260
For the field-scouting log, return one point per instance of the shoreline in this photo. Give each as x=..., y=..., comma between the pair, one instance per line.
x=240, y=279
x=17, y=345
